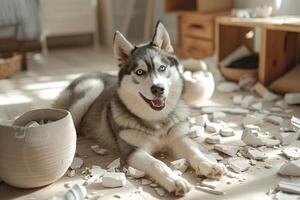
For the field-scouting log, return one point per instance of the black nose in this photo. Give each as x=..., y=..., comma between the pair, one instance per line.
x=157, y=90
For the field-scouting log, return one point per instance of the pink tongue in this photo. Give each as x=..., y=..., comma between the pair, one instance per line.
x=158, y=102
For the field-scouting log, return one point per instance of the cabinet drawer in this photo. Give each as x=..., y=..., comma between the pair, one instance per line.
x=197, y=26
x=196, y=48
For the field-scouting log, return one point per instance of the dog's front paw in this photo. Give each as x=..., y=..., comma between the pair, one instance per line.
x=181, y=187
x=209, y=169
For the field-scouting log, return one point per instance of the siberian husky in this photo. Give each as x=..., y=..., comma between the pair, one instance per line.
x=141, y=111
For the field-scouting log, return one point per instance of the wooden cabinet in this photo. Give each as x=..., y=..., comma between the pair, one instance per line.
x=196, y=34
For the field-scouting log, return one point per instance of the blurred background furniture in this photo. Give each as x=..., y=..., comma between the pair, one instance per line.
x=279, y=49
x=195, y=21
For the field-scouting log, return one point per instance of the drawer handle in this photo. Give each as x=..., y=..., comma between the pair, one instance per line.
x=196, y=26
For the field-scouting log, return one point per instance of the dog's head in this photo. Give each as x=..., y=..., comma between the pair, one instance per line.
x=150, y=82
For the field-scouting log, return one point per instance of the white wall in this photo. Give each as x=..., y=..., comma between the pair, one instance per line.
x=288, y=7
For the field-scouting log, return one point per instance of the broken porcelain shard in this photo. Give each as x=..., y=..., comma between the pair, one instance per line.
x=114, y=179
x=290, y=168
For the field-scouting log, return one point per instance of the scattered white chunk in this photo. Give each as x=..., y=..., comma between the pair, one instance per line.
x=231, y=110
x=32, y=124
x=146, y=181
x=264, y=92
x=227, y=132
x=292, y=98
x=291, y=168
x=135, y=173
x=274, y=119
x=210, y=183
x=68, y=184
x=247, y=101
x=237, y=99
x=114, y=164
x=290, y=186
x=161, y=192
x=238, y=164
x=227, y=86
x=97, y=171
x=71, y=173
x=114, y=179
x=268, y=166
x=257, y=106
x=209, y=190
x=196, y=131
x=180, y=164
x=218, y=115
x=295, y=122
x=292, y=153
x=118, y=196
x=285, y=196
x=77, y=192
x=227, y=149
x=256, y=154
x=214, y=139
x=252, y=120
x=287, y=138
x=213, y=127
x=99, y=151
x=76, y=163
x=254, y=138
x=201, y=120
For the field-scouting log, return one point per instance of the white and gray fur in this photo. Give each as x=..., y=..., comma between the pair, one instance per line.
x=112, y=111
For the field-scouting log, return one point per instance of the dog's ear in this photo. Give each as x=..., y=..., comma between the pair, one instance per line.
x=122, y=47
x=161, y=38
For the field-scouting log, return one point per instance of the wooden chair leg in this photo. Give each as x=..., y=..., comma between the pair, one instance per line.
x=22, y=50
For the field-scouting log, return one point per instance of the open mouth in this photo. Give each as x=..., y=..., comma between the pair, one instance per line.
x=158, y=103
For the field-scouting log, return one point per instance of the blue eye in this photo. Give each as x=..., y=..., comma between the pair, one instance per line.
x=162, y=68
x=139, y=72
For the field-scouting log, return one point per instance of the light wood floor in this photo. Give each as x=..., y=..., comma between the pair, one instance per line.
x=41, y=84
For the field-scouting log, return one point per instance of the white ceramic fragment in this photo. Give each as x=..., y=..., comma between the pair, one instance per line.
x=201, y=120
x=97, y=171
x=252, y=120
x=287, y=138
x=247, y=101
x=180, y=164
x=218, y=115
x=32, y=124
x=209, y=190
x=292, y=98
x=227, y=132
x=291, y=168
x=256, y=154
x=257, y=106
x=114, y=179
x=227, y=149
x=77, y=192
x=254, y=138
x=146, y=181
x=292, y=153
x=274, y=119
x=227, y=86
x=264, y=92
x=114, y=164
x=213, y=127
x=295, y=121
x=237, y=99
x=238, y=53
x=211, y=183
x=76, y=163
x=231, y=110
x=196, y=131
x=135, y=173
x=213, y=139
x=285, y=196
x=238, y=164
x=99, y=151
x=67, y=184
x=161, y=192
x=259, y=115
x=71, y=173
x=289, y=186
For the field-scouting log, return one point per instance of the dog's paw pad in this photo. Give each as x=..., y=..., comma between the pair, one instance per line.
x=181, y=187
x=217, y=171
